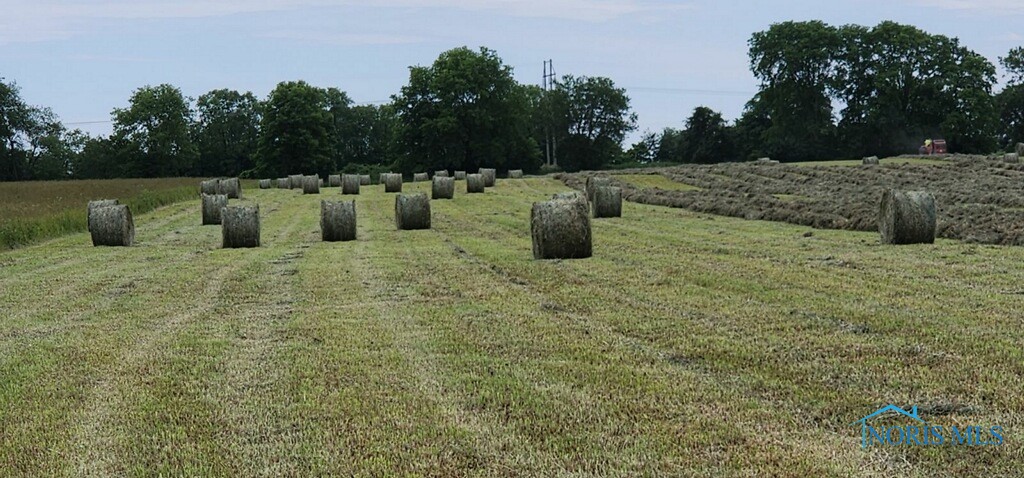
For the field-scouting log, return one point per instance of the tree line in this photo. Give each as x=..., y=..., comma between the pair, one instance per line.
x=825, y=92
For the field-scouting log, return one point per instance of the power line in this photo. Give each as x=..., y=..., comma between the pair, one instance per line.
x=688, y=91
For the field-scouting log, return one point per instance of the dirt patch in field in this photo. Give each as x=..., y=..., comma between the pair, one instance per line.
x=979, y=200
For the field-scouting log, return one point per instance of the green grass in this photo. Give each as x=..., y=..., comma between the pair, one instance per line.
x=688, y=345
x=37, y=210
x=655, y=181
x=857, y=162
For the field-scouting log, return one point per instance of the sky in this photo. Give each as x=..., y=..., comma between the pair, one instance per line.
x=83, y=58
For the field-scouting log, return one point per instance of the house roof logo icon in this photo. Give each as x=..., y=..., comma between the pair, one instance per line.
x=890, y=408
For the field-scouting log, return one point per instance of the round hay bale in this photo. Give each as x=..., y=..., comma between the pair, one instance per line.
x=264, y=184
x=320, y=182
x=1019, y=149
x=412, y=211
x=441, y=174
x=112, y=226
x=1011, y=158
x=311, y=185
x=94, y=205
x=474, y=183
x=515, y=174
x=338, y=220
x=490, y=176
x=350, y=184
x=283, y=183
x=212, y=205
x=594, y=182
x=392, y=183
x=420, y=177
x=907, y=217
x=240, y=226
x=442, y=188
x=231, y=187
x=460, y=175
x=364, y=180
x=607, y=201
x=871, y=160
x=209, y=186
x=296, y=181
x=334, y=181
x=561, y=228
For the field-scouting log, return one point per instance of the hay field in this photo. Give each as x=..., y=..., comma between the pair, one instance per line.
x=689, y=345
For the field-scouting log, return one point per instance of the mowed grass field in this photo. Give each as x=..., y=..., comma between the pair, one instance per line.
x=689, y=345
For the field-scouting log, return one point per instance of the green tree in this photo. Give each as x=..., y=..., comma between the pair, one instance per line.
x=297, y=132
x=1010, y=101
x=156, y=129
x=367, y=136
x=33, y=142
x=706, y=138
x=595, y=116
x=645, y=150
x=464, y=112
x=226, y=132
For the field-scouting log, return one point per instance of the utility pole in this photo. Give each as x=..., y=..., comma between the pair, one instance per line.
x=550, y=143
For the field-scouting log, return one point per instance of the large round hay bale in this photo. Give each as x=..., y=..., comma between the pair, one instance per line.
x=442, y=188
x=420, y=177
x=412, y=211
x=607, y=201
x=515, y=174
x=364, y=180
x=264, y=184
x=474, y=183
x=230, y=187
x=350, y=184
x=460, y=175
x=296, y=181
x=1011, y=158
x=212, y=205
x=311, y=185
x=561, y=228
x=490, y=176
x=94, y=205
x=392, y=183
x=594, y=182
x=338, y=220
x=112, y=226
x=334, y=181
x=209, y=186
x=240, y=226
x=441, y=174
x=283, y=183
x=907, y=217
x=871, y=160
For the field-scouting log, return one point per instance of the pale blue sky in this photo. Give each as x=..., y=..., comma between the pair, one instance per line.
x=84, y=57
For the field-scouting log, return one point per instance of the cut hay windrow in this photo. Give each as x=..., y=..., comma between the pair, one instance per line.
x=443, y=187
x=240, y=226
x=338, y=221
x=412, y=211
x=907, y=217
x=112, y=226
x=212, y=206
x=560, y=228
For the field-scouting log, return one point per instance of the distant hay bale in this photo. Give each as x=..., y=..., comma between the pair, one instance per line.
x=561, y=228
x=441, y=174
x=230, y=187
x=296, y=181
x=872, y=160
x=320, y=182
x=350, y=184
x=490, y=176
x=474, y=183
x=95, y=205
x=264, y=184
x=112, y=226
x=607, y=201
x=392, y=183
x=442, y=188
x=338, y=221
x=420, y=177
x=282, y=183
x=1019, y=149
x=460, y=175
x=515, y=174
x=209, y=186
x=364, y=180
x=311, y=185
x=334, y=181
x=594, y=182
x=907, y=217
x=212, y=205
x=240, y=226
x=1011, y=158
x=412, y=211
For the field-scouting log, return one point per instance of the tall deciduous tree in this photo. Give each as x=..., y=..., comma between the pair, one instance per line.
x=296, y=132
x=707, y=138
x=593, y=119
x=156, y=129
x=464, y=112
x=227, y=129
